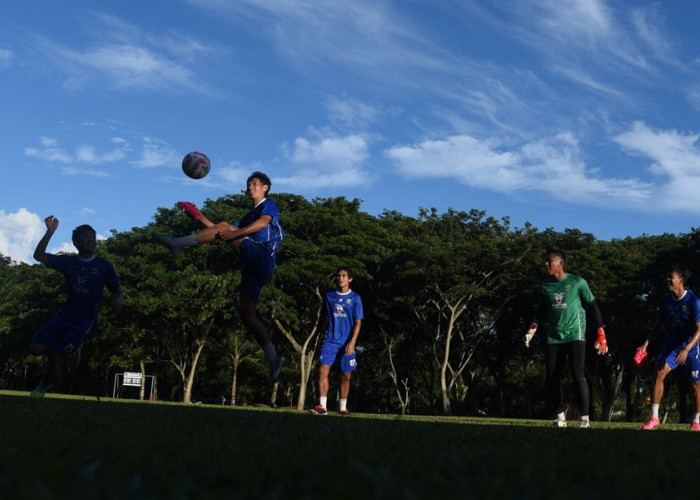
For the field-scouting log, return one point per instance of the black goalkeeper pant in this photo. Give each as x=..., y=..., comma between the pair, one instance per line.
x=556, y=357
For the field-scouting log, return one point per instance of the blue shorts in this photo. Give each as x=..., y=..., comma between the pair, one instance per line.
x=332, y=352
x=64, y=334
x=692, y=362
x=257, y=267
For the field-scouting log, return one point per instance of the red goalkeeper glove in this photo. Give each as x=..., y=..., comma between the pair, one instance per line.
x=640, y=356
x=190, y=208
x=601, y=343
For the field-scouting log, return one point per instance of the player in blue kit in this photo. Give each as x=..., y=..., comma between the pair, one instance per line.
x=256, y=239
x=85, y=277
x=679, y=315
x=344, y=313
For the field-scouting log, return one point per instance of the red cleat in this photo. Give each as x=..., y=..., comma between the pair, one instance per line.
x=695, y=426
x=319, y=410
x=650, y=424
x=190, y=208
x=344, y=412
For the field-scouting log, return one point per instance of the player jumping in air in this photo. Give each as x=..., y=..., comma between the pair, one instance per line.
x=344, y=314
x=256, y=239
x=85, y=277
x=562, y=301
x=679, y=315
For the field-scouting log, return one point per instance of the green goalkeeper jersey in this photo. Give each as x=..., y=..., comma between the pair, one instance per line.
x=562, y=303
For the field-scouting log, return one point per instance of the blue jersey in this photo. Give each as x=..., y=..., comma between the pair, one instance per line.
x=84, y=282
x=679, y=317
x=342, y=310
x=270, y=236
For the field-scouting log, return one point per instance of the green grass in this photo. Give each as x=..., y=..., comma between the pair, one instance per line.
x=62, y=447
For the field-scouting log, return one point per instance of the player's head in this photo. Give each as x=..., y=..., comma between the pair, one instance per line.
x=261, y=177
x=343, y=277
x=85, y=239
x=554, y=259
x=677, y=273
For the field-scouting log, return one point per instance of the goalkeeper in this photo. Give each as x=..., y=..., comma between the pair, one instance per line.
x=561, y=302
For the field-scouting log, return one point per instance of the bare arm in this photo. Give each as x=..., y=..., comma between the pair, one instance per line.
x=234, y=233
x=40, y=251
x=656, y=330
x=350, y=348
x=683, y=355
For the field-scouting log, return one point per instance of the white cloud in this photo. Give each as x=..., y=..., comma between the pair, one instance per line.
x=19, y=233
x=85, y=171
x=675, y=161
x=553, y=166
x=331, y=152
x=55, y=155
x=351, y=113
x=124, y=56
x=87, y=154
x=327, y=162
x=155, y=153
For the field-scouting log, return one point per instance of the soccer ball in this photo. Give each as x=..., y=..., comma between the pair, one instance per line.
x=195, y=165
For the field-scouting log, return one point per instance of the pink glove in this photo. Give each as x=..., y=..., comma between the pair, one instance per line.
x=640, y=356
x=190, y=208
x=601, y=343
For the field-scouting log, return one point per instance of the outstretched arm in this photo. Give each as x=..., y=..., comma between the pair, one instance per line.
x=40, y=251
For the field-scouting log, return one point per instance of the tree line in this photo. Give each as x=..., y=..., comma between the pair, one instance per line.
x=447, y=299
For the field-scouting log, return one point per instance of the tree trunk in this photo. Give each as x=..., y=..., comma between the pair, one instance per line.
x=189, y=380
x=234, y=380
x=142, y=389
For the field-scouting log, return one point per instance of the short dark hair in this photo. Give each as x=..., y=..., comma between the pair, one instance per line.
x=556, y=251
x=262, y=177
x=679, y=269
x=344, y=268
x=82, y=229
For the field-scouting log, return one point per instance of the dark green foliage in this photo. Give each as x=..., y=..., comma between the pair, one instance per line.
x=449, y=295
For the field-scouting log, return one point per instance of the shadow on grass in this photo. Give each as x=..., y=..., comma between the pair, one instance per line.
x=106, y=449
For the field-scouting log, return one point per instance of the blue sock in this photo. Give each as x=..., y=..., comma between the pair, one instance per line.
x=187, y=241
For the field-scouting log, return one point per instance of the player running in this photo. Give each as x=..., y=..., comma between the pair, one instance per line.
x=562, y=301
x=679, y=315
x=256, y=239
x=85, y=277
x=344, y=312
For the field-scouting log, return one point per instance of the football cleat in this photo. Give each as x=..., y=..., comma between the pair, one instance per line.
x=695, y=426
x=344, y=412
x=559, y=423
x=650, y=424
x=190, y=208
x=319, y=410
x=585, y=424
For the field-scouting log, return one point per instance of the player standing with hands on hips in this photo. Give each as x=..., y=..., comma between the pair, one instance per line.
x=679, y=315
x=562, y=301
x=256, y=239
x=85, y=276
x=344, y=313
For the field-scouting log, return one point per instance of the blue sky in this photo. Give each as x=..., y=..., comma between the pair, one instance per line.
x=567, y=114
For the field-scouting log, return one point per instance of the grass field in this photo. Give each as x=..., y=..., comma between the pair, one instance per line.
x=62, y=447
